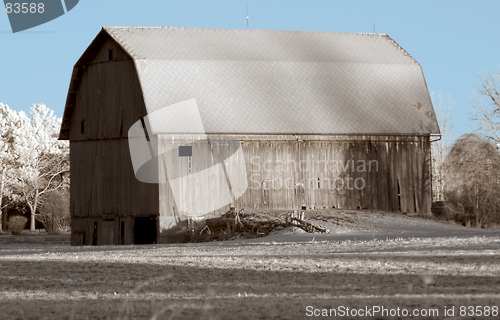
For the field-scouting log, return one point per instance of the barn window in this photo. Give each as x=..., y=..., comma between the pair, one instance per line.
x=110, y=54
x=185, y=151
x=82, y=127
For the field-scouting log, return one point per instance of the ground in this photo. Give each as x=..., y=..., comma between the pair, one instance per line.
x=373, y=260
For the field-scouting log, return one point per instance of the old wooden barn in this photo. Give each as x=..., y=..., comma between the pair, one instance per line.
x=285, y=120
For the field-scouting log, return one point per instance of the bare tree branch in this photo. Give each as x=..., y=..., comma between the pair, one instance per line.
x=486, y=106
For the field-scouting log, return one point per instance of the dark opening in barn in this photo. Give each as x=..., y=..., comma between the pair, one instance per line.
x=145, y=230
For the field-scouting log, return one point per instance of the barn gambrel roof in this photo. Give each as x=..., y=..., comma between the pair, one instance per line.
x=282, y=82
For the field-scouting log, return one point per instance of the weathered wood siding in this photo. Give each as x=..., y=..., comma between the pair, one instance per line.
x=189, y=178
x=103, y=181
x=288, y=172
x=108, y=100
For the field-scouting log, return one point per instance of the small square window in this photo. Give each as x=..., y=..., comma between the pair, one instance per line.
x=185, y=151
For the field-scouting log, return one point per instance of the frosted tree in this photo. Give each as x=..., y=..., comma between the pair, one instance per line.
x=8, y=119
x=41, y=161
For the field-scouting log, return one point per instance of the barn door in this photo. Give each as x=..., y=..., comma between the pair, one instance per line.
x=108, y=232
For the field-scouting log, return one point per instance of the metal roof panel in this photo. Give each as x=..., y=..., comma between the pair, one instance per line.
x=282, y=82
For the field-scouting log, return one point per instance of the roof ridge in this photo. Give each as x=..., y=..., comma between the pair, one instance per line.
x=243, y=30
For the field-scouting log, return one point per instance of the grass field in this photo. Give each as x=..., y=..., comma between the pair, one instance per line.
x=250, y=280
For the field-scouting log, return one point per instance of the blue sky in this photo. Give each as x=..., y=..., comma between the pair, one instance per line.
x=454, y=41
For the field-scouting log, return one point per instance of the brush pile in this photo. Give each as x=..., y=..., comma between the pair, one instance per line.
x=233, y=224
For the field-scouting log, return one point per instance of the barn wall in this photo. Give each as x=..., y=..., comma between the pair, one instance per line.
x=103, y=186
x=103, y=181
x=338, y=171
x=193, y=182
x=290, y=172
x=106, y=100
